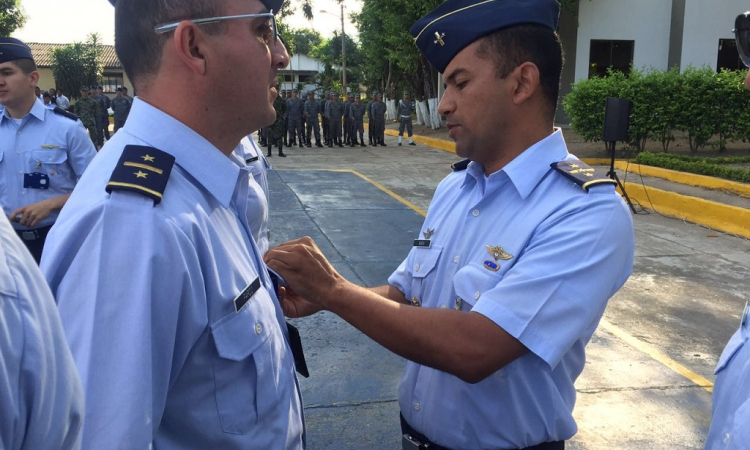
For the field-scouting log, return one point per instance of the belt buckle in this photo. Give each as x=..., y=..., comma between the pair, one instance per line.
x=29, y=235
x=409, y=443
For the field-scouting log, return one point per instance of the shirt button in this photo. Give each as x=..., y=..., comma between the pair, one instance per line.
x=442, y=307
x=475, y=213
x=416, y=268
x=455, y=259
x=476, y=296
x=416, y=406
x=726, y=438
x=258, y=328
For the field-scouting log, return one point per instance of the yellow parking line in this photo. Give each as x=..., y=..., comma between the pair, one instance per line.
x=657, y=355
x=386, y=190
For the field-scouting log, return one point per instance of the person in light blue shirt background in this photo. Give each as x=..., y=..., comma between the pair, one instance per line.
x=43, y=153
x=522, y=247
x=730, y=415
x=40, y=391
x=166, y=303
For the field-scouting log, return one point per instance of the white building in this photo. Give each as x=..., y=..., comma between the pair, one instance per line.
x=658, y=34
x=304, y=70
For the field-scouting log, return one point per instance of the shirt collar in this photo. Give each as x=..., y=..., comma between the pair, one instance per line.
x=526, y=170
x=192, y=152
x=37, y=110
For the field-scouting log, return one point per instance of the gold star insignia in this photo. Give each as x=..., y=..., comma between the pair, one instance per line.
x=589, y=175
x=148, y=158
x=574, y=166
x=140, y=174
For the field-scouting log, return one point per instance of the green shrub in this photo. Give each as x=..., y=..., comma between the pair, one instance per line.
x=714, y=167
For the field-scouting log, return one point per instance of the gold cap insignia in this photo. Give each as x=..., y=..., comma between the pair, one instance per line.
x=439, y=39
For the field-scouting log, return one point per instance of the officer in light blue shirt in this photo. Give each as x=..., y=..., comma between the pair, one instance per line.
x=43, y=153
x=249, y=153
x=40, y=393
x=730, y=418
x=522, y=247
x=166, y=303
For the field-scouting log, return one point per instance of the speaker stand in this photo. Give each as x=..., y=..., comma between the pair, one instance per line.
x=613, y=175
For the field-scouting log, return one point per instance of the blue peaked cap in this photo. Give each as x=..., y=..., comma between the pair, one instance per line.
x=274, y=5
x=455, y=24
x=12, y=49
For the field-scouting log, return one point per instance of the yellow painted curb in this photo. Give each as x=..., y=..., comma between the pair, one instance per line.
x=727, y=218
x=689, y=179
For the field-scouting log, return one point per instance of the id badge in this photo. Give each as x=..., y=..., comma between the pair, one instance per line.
x=35, y=180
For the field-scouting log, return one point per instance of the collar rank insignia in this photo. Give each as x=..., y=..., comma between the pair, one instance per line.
x=142, y=169
x=581, y=174
x=426, y=242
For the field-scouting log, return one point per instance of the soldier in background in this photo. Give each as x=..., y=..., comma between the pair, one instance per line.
x=87, y=110
x=378, y=120
x=125, y=93
x=334, y=112
x=121, y=107
x=104, y=104
x=62, y=101
x=294, y=115
x=357, y=115
x=369, y=116
x=275, y=133
x=405, y=108
x=326, y=126
x=349, y=100
x=311, y=112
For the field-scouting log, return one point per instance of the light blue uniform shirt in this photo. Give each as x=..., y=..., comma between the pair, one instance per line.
x=730, y=418
x=146, y=294
x=45, y=142
x=249, y=153
x=41, y=399
x=568, y=252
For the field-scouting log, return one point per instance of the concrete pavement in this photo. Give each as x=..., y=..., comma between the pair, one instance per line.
x=650, y=364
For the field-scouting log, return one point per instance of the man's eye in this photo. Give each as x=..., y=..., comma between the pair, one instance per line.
x=461, y=85
x=265, y=32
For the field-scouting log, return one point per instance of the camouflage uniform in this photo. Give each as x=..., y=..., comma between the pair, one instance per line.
x=311, y=113
x=102, y=119
x=121, y=107
x=334, y=111
x=275, y=131
x=357, y=115
x=88, y=110
x=378, y=122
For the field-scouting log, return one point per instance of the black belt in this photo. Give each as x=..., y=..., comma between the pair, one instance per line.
x=413, y=439
x=34, y=234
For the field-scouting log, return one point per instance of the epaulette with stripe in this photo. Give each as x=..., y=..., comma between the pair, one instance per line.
x=142, y=169
x=581, y=173
x=66, y=114
x=461, y=165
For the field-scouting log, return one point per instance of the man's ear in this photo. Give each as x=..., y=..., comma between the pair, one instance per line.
x=189, y=43
x=526, y=77
x=34, y=77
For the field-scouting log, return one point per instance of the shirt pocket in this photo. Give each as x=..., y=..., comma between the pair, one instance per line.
x=53, y=162
x=471, y=282
x=423, y=264
x=238, y=375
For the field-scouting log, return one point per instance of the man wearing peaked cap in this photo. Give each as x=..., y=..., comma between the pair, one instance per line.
x=43, y=152
x=169, y=310
x=520, y=251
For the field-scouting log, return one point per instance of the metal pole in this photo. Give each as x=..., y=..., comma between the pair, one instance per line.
x=343, y=49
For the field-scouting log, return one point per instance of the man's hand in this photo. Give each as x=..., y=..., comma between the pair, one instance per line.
x=295, y=306
x=309, y=274
x=31, y=215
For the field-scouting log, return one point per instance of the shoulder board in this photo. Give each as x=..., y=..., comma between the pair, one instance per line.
x=461, y=165
x=142, y=169
x=581, y=173
x=62, y=112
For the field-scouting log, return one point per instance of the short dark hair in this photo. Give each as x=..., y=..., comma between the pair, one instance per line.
x=26, y=65
x=138, y=47
x=510, y=47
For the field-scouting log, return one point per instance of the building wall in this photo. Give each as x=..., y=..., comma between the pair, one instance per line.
x=647, y=22
x=47, y=80
x=705, y=23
